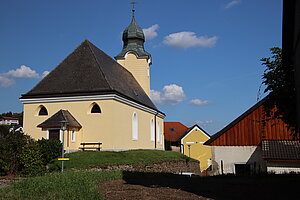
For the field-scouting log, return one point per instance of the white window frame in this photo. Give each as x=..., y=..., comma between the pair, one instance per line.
x=73, y=135
x=158, y=132
x=152, y=131
x=135, y=127
x=60, y=133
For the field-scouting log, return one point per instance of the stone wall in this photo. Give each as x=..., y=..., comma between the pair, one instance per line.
x=177, y=167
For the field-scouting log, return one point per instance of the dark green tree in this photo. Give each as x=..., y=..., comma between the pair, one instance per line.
x=280, y=84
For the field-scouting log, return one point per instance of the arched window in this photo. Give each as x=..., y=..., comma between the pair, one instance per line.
x=43, y=111
x=134, y=127
x=73, y=135
x=158, y=132
x=152, y=133
x=96, y=109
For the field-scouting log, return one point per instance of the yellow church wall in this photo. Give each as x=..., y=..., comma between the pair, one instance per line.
x=195, y=138
x=122, y=129
x=112, y=127
x=139, y=68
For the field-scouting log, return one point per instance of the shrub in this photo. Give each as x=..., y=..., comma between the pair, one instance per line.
x=50, y=149
x=30, y=159
x=168, y=145
x=20, y=154
x=11, y=144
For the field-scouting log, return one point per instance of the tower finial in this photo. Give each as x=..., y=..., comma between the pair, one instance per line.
x=133, y=3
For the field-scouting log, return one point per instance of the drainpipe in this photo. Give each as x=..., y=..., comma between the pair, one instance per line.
x=155, y=130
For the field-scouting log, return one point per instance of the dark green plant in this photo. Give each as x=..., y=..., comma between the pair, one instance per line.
x=50, y=149
x=280, y=84
x=11, y=144
x=31, y=161
x=168, y=145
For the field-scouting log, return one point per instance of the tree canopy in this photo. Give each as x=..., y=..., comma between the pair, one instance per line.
x=280, y=84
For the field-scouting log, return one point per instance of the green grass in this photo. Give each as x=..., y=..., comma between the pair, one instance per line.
x=83, y=184
x=67, y=185
x=88, y=159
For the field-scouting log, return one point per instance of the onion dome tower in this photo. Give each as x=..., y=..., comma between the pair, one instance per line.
x=133, y=55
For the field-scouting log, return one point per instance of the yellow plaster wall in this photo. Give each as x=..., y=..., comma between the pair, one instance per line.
x=198, y=151
x=139, y=68
x=112, y=127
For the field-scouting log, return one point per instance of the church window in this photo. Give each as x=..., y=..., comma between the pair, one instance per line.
x=96, y=109
x=73, y=136
x=152, y=133
x=158, y=132
x=134, y=127
x=43, y=111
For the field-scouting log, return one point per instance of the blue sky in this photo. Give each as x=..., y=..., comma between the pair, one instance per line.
x=206, y=53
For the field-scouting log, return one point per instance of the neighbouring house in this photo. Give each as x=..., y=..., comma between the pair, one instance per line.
x=189, y=141
x=9, y=121
x=102, y=99
x=252, y=144
x=173, y=132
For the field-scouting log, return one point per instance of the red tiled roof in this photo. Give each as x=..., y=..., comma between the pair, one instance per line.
x=12, y=118
x=174, y=131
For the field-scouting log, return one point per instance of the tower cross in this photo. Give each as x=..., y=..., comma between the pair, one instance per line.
x=133, y=3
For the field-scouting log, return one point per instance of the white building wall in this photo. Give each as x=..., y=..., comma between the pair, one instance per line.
x=9, y=122
x=231, y=155
x=283, y=167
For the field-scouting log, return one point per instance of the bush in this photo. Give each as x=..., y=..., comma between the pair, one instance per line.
x=20, y=154
x=11, y=144
x=36, y=156
x=31, y=161
x=50, y=149
x=168, y=145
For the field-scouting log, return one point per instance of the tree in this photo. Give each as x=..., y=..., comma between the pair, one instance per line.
x=280, y=84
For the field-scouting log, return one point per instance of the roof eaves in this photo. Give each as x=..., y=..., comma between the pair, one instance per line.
x=234, y=122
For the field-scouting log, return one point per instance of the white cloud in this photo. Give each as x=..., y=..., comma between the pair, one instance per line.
x=6, y=82
x=189, y=39
x=232, y=3
x=151, y=32
x=170, y=95
x=202, y=123
x=45, y=73
x=199, y=102
x=23, y=72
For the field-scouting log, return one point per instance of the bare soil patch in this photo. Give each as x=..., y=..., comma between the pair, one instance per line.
x=119, y=189
x=7, y=180
x=142, y=185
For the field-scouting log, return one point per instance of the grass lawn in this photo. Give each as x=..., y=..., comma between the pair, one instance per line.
x=87, y=159
x=67, y=185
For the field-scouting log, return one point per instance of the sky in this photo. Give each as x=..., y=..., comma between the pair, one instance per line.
x=206, y=67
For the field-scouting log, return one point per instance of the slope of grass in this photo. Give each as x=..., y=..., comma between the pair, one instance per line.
x=67, y=185
x=87, y=159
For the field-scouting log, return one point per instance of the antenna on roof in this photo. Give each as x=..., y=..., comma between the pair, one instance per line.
x=133, y=3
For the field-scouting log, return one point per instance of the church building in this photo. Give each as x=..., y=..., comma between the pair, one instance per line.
x=102, y=99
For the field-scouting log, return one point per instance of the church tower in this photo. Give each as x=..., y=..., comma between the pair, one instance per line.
x=133, y=55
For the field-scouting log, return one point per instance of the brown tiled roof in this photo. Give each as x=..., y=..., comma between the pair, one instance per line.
x=281, y=149
x=89, y=71
x=55, y=120
x=173, y=131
